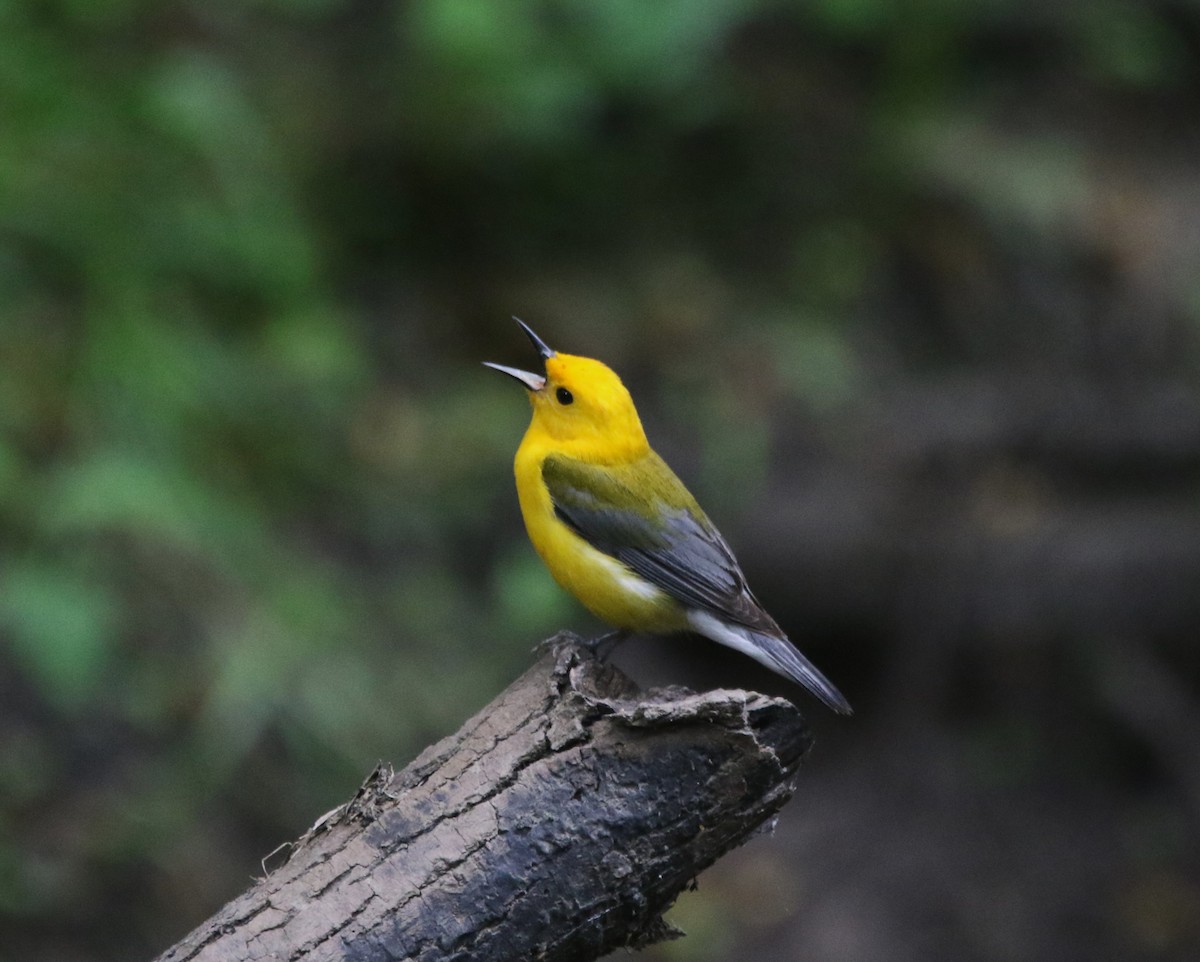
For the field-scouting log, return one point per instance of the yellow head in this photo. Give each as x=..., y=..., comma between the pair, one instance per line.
x=580, y=406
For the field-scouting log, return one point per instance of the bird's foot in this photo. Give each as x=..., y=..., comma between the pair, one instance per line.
x=604, y=645
x=556, y=641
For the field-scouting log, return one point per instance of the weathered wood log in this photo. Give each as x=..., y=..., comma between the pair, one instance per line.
x=559, y=823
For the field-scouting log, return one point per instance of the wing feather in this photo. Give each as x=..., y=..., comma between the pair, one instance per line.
x=642, y=515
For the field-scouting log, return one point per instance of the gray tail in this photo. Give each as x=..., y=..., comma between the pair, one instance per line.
x=782, y=656
x=774, y=651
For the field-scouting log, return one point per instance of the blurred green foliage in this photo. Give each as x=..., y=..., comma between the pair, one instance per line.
x=256, y=518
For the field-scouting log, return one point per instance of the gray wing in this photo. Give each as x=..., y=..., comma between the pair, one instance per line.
x=642, y=515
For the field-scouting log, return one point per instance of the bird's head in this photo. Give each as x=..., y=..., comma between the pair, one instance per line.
x=581, y=405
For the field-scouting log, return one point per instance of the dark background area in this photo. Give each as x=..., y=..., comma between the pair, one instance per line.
x=908, y=294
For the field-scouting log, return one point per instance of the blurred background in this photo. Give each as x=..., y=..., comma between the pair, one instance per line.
x=907, y=292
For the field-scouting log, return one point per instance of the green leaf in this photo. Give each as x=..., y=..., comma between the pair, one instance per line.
x=62, y=627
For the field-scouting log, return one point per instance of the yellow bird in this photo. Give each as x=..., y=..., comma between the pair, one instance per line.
x=619, y=530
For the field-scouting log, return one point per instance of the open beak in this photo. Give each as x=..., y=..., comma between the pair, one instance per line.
x=543, y=349
x=535, y=382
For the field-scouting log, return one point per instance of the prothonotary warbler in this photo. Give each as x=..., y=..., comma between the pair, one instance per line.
x=618, y=529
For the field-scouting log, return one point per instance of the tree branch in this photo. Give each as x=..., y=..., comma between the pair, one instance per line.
x=559, y=823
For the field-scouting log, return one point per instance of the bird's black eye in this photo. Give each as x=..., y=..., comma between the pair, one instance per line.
x=564, y=396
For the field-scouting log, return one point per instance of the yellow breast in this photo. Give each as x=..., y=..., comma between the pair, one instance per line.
x=606, y=587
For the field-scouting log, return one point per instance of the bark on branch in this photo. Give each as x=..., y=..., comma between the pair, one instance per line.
x=558, y=823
